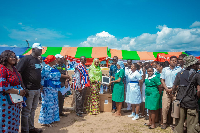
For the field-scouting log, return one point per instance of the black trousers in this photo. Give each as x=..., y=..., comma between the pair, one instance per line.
x=60, y=102
x=80, y=97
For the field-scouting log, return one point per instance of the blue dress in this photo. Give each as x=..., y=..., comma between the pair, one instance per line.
x=49, y=112
x=133, y=95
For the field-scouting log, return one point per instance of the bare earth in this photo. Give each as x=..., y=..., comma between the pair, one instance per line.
x=102, y=123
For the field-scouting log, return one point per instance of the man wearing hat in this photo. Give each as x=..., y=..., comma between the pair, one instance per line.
x=186, y=83
x=30, y=69
x=64, y=76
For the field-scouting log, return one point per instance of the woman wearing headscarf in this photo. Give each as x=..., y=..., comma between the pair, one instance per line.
x=10, y=83
x=49, y=112
x=118, y=90
x=95, y=74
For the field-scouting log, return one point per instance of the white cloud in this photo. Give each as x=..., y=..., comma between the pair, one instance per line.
x=4, y=45
x=166, y=39
x=195, y=24
x=101, y=39
x=66, y=46
x=104, y=34
x=32, y=34
x=20, y=23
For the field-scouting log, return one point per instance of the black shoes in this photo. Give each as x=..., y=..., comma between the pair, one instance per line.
x=62, y=114
x=35, y=130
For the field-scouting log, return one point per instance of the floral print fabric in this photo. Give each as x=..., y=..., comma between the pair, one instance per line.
x=9, y=114
x=49, y=112
x=93, y=103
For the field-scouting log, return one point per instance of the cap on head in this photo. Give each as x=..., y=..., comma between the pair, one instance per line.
x=189, y=60
x=37, y=45
x=59, y=56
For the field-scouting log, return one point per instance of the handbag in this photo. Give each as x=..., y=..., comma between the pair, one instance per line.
x=176, y=103
x=14, y=98
x=175, y=109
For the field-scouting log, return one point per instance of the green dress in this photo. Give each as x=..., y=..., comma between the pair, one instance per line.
x=118, y=90
x=160, y=101
x=152, y=95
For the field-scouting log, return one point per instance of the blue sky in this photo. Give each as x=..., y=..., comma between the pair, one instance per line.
x=142, y=25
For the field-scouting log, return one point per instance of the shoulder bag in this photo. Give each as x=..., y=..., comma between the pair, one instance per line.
x=14, y=98
x=176, y=103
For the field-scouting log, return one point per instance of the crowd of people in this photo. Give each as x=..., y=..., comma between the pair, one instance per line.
x=155, y=87
x=147, y=89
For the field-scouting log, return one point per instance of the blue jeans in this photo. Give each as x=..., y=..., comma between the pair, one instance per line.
x=28, y=112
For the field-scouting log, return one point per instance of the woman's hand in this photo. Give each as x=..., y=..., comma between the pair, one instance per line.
x=160, y=89
x=79, y=89
x=111, y=82
x=22, y=93
x=27, y=93
x=66, y=85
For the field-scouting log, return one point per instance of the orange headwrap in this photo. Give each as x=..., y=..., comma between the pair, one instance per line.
x=49, y=58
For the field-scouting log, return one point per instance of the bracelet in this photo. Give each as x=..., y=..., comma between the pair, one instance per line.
x=18, y=91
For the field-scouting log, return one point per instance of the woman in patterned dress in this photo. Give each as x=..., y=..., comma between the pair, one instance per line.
x=9, y=83
x=49, y=112
x=95, y=74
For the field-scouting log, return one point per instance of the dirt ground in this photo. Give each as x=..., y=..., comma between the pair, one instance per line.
x=102, y=123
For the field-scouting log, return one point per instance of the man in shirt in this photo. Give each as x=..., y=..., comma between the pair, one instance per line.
x=30, y=69
x=167, y=79
x=112, y=72
x=186, y=82
x=80, y=84
x=180, y=60
x=64, y=76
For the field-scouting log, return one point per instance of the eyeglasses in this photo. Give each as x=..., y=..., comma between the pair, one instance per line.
x=14, y=57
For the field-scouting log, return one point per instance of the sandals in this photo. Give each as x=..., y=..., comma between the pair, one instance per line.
x=142, y=116
x=160, y=125
x=114, y=114
x=151, y=127
x=47, y=125
x=146, y=124
x=163, y=126
x=117, y=115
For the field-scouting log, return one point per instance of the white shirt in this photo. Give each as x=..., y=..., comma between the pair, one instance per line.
x=127, y=72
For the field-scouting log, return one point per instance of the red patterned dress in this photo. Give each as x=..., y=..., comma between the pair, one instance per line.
x=9, y=114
